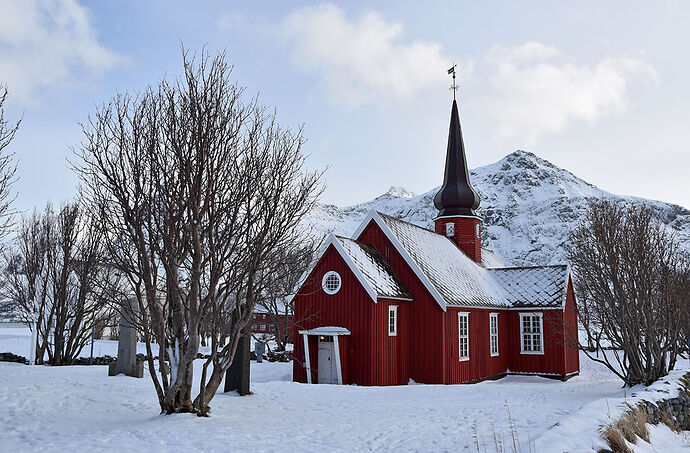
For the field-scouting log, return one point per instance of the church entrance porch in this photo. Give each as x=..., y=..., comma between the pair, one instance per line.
x=328, y=365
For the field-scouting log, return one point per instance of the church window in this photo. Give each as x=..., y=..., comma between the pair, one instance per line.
x=493, y=334
x=331, y=282
x=531, y=333
x=450, y=229
x=477, y=231
x=392, y=320
x=463, y=336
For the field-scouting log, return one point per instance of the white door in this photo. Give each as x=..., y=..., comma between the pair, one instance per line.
x=326, y=369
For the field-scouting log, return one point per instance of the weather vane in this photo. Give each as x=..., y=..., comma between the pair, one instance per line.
x=454, y=86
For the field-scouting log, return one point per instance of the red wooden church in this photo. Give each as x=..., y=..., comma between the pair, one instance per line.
x=397, y=302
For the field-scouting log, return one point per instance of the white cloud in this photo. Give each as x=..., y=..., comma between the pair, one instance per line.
x=362, y=60
x=536, y=89
x=45, y=43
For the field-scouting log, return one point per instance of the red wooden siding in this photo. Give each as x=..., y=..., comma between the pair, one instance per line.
x=423, y=329
x=351, y=307
x=391, y=364
x=465, y=236
x=552, y=362
x=480, y=365
x=425, y=348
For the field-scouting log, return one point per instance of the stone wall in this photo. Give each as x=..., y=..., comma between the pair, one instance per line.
x=631, y=425
x=675, y=409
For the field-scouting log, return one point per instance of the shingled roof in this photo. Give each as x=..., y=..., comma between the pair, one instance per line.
x=375, y=269
x=459, y=280
x=535, y=286
x=456, y=280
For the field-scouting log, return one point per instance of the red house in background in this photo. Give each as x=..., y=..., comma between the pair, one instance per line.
x=398, y=302
x=264, y=323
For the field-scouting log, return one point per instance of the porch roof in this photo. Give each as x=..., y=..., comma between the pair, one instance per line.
x=327, y=330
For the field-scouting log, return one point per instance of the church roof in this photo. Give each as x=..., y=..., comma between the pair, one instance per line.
x=375, y=269
x=454, y=279
x=535, y=286
x=459, y=280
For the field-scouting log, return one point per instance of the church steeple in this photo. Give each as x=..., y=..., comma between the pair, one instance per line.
x=456, y=196
x=457, y=200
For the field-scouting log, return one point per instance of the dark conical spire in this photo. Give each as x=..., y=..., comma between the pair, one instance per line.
x=456, y=196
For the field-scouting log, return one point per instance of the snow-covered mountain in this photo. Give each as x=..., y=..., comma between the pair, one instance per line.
x=528, y=205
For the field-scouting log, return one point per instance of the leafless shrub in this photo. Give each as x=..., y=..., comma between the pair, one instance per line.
x=633, y=282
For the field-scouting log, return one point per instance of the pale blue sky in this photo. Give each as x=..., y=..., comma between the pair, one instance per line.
x=600, y=88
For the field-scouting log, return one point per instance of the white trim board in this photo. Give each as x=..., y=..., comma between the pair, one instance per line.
x=567, y=281
x=307, y=365
x=338, y=369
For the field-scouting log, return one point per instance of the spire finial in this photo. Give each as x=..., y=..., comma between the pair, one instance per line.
x=456, y=196
x=454, y=86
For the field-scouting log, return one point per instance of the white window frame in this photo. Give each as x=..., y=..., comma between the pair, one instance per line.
x=323, y=282
x=466, y=336
x=393, y=316
x=493, y=335
x=450, y=229
x=532, y=351
x=262, y=327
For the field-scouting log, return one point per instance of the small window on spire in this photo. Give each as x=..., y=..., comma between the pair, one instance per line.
x=478, y=231
x=450, y=229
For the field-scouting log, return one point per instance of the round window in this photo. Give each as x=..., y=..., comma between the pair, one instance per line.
x=331, y=282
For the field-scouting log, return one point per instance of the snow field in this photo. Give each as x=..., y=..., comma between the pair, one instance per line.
x=79, y=407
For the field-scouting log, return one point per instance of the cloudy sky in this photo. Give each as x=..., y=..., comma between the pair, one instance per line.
x=599, y=88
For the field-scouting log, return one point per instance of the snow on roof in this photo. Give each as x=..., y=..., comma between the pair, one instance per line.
x=490, y=259
x=459, y=280
x=463, y=282
x=536, y=286
x=375, y=269
x=327, y=330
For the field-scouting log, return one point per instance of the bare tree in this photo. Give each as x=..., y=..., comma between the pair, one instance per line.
x=278, y=303
x=26, y=276
x=199, y=191
x=585, y=315
x=54, y=273
x=8, y=166
x=635, y=279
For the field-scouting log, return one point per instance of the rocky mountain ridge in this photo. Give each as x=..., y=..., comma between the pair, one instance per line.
x=528, y=206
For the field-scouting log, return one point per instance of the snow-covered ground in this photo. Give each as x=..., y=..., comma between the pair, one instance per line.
x=79, y=407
